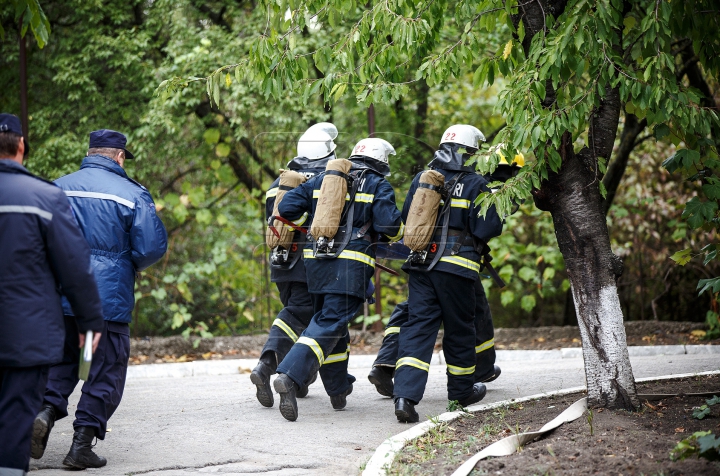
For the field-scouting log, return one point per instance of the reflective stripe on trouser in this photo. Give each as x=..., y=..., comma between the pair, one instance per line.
x=289, y=323
x=103, y=390
x=484, y=336
x=21, y=394
x=437, y=298
x=326, y=337
x=389, y=348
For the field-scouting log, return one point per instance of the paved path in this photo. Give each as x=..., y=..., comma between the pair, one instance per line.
x=213, y=424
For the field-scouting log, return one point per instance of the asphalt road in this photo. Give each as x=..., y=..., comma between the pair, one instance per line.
x=213, y=424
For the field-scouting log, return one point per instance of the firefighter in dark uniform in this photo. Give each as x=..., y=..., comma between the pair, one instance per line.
x=315, y=148
x=442, y=281
x=42, y=251
x=338, y=285
x=485, y=369
x=118, y=219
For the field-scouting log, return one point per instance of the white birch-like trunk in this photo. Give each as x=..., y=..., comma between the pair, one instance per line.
x=608, y=374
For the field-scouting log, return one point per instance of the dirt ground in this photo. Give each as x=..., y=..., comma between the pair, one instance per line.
x=618, y=443
x=150, y=350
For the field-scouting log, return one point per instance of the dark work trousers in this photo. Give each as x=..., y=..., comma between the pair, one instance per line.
x=324, y=344
x=437, y=298
x=389, y=348
x=103, y=390
x=21, y=391
x=289, y=323
x=484, y=336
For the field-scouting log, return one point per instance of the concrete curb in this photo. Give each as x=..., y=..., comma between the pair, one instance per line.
x=235, y=366
x=385, y=453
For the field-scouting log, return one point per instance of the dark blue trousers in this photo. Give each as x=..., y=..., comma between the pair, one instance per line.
x=324, y=345
x=102, y=392
x=387, y=356
x=484, y=336
x=21, y=390
x=289, y=323
x=437, y=298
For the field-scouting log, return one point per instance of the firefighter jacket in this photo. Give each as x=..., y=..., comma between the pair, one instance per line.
x=463, y=217
x=117, y=216
x=309, y=168
x=375, y=209
x=41, y=251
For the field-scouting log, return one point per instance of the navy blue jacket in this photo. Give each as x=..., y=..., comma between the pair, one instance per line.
x=351, y=271
x=463, y=214
x=41, y=250
x=309, y=169
x=117, y=216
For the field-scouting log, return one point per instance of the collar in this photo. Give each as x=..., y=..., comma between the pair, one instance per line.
x=12, y=167
x=101, y=162
x=449, y=157
x=303, y=163
x=364, y=162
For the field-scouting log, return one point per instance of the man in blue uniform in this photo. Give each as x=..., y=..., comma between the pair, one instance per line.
x=441, y=291
x=117, y=217
x=315, y=148
x=338, y=285
x=42, y=250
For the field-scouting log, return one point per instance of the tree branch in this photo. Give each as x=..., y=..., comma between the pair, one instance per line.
x=616, y=169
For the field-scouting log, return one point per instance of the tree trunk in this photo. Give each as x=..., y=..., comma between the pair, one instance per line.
x=573, y=198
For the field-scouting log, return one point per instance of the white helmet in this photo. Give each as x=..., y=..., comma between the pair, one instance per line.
x=378, y=149
x=316, y=144
x=464, y=134
x=327, y=127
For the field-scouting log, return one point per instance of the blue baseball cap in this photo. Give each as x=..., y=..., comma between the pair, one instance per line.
x=11, y=123
x=106, y=138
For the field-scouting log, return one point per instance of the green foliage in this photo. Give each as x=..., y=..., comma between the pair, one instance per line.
x=712, y=319
x=702, y=444
x=31, y=14
x=705, y=410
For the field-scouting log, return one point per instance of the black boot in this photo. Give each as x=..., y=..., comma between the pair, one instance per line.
x=303, y=391
x=479, y=391
x=405, y=411
x=44, y=422
x=382, y=378
x=491, y=376
x=287, y=389
x=339, y=401
x=260, y=377
x=81, y=455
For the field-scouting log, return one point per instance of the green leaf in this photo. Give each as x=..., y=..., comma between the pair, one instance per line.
x=211, y=136
x=712, y=285
x=527, y=274
x=203, y=216
x=682, y=257
x=528, y=302
x=222, y=150
x=660, y=131
x=507, y=297
x=160, y=294
x=698, y=213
